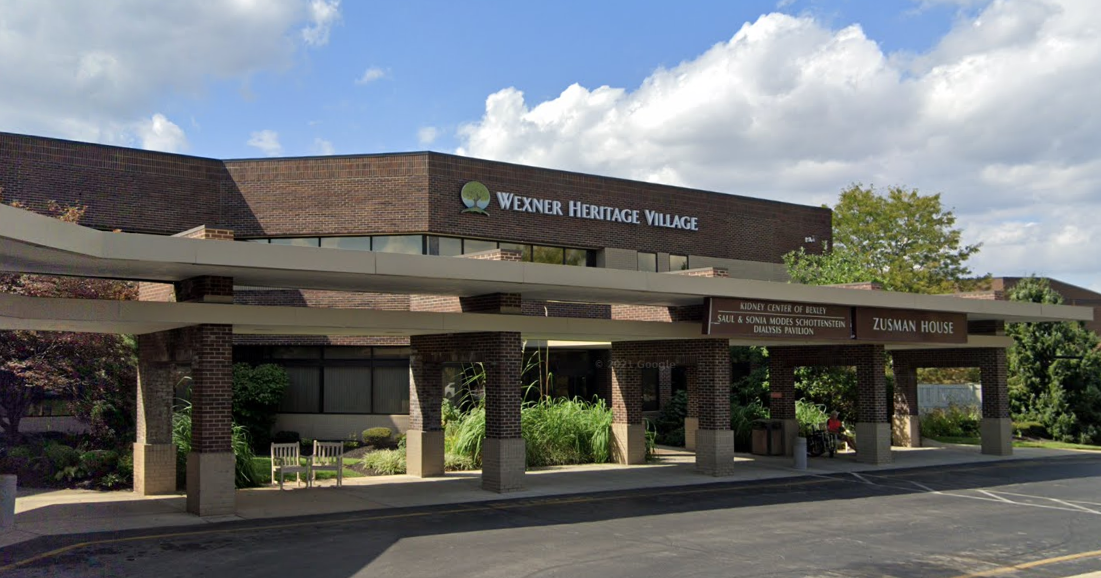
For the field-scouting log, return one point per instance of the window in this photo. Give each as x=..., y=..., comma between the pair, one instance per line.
x=391, y=390
x=525, y=250
x=650, y=399
x=678, y=262
x=551, y=255
x=477, y=246
x=304, y=393
x=648, y=262
x=404, y=244
x=350, y=243
x=347, y=390
x=577, y=257
x=337, y=379
x=445, y=246
x=304, y=242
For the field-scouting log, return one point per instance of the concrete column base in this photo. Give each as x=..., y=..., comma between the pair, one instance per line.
x=907, y=431
x=424, y=453
x=629, y=443
x=154, y=469
x=503, y=462
x=790, y=427
x=873, y=443
x=997, y=436
x=210, y=484
x=715, y=452
x=691, y=424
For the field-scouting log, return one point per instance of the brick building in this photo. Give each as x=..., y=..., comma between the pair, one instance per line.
x=374, y=279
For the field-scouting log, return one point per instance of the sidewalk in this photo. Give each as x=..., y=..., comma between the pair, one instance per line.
x=53, y=512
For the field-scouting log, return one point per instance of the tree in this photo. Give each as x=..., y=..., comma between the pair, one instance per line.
x=904, y=241
x=94, y=371
x=1054, y=370
x=257, y=392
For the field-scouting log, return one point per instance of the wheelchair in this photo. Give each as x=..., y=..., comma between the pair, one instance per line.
x=820, y=441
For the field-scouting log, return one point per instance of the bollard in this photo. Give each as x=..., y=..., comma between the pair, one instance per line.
x=800, y=453
x=7, y=502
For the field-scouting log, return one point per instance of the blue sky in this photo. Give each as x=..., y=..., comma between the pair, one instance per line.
x=439, y=60
x=990, y=102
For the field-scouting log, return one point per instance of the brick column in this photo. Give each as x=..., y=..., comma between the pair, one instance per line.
x=665, y=385
x=873, y=430
x=907, y=424
x=714, y=440
x=628, y=433
x=424, y=439
x=781, y=402
x=692, y=421
x=997, y=427
x=154, y=452
x=504, y=452
x=210, y=465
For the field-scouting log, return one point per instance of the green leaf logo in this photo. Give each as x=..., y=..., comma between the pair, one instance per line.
x=476, y=198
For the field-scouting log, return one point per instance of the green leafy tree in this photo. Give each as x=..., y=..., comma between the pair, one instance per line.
x=1054, y=370
x=257, y=392
x=903, y=240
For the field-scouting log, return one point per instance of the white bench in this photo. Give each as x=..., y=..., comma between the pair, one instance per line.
x=285, y=459
x=328, y=457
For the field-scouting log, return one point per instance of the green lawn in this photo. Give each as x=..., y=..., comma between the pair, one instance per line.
x=1047, y=444
x=262, y=467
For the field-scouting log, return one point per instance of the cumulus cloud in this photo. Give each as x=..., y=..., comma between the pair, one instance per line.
x=93, y=71
x=370, y=75
x=160, y=134
x=323, y=15
x=267, y=141
x=427, y=135
x=323, y=147
x=1000, y=116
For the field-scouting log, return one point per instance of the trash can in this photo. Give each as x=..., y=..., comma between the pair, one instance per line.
x=768, y=437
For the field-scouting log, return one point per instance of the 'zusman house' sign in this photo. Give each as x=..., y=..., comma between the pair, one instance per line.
x=874, y=324
x=811, y=321
x=777, y=319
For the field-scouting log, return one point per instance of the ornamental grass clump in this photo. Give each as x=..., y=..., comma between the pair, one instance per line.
x=555, y=431
x=566, y=431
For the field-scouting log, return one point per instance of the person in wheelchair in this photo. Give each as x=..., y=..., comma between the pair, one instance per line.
x=837, y=429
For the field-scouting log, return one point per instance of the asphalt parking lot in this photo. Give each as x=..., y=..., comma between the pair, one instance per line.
x=1022, y=518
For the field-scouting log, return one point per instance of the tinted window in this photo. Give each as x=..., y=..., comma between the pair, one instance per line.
x=304, y=242
x=577, y=257
x=353, y=243
x=648, y=262
x=678, y=262
x=405, y=244
x=552, y=255
x=525, y=250
x=477, y=246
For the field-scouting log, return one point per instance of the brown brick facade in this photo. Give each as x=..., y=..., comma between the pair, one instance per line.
x=142, y=191
x=708, y=371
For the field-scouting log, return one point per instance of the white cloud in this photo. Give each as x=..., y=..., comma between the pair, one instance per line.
x=267, y=141
x=427, y=135
x=1000, y=116
x=370, y=75
x=323, y=147
x=160, y=134
x=323, y=15
x=97, y=71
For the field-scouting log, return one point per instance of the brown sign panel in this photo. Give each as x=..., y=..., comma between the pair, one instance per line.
x=874, y=324
x=777, y=319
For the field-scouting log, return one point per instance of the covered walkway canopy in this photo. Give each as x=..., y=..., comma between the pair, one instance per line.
x=480, y=320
